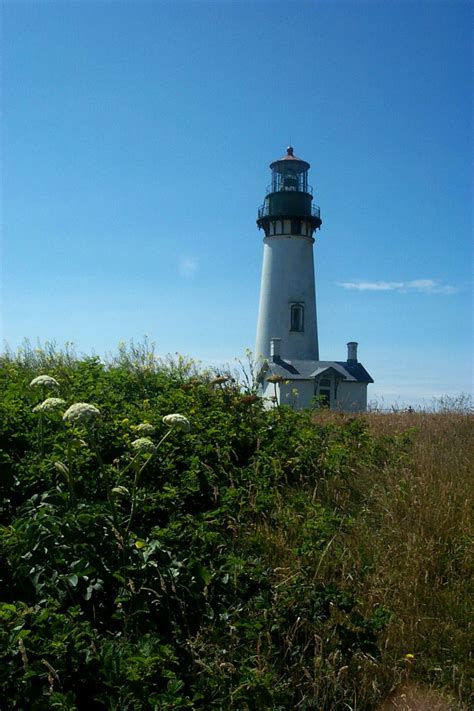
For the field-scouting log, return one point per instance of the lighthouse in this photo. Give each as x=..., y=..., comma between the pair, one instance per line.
x=287, y=346
x=289, y=219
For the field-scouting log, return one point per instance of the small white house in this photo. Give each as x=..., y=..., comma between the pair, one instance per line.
x=339, y=385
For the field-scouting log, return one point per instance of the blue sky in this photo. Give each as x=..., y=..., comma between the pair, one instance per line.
x=136, y=138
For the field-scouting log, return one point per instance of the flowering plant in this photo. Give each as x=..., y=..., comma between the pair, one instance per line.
x=50, y=404
x=81, y=412
x=219, y=380
x=144, y=444
x=178, y=421
x=145, y=429
x=45, y=381
x=275, y=379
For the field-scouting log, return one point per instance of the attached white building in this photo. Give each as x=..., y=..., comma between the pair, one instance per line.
x=339, y=385
x=287, y=347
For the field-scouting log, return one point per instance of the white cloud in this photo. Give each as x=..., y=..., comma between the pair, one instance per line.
x=423, y=286
x=187, y=267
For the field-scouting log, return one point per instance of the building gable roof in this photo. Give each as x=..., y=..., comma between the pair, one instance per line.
x=309, y=369
x=358, y=371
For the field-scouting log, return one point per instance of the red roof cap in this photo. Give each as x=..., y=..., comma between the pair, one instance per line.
x=290, y=156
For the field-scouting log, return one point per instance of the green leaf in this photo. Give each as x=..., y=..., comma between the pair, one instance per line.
x=204, y=574
x=72, y=580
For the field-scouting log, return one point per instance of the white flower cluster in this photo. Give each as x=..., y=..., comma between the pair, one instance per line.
x=144, y=444
x=50, y=404
x=120, y=491
x=81, y=412
x=180, y=422
x=62, y=469
x=145, y=429
x=45, y=381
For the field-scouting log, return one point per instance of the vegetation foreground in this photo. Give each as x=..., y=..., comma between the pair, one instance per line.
x=246, y=560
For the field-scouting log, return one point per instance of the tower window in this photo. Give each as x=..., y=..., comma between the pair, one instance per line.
x=290, y=180
x=297, y=317
x=295, y=227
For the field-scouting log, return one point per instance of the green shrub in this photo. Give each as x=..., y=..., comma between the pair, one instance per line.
x=234, y=566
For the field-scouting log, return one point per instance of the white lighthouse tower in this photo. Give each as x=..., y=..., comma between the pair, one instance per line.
x=287, y=308
x=287, y=349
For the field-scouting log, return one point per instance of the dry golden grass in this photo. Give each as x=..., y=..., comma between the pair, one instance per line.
x=411, y=697
x=415, y=543
x=409, y=549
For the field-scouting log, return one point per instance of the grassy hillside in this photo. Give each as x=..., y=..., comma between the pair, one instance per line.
x=250, y=560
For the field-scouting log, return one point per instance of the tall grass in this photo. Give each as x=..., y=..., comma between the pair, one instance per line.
x=404, y=542
x=411, y=546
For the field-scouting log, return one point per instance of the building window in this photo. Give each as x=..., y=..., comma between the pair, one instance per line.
x=297, y=317
x=323, y=391
x=324, y=397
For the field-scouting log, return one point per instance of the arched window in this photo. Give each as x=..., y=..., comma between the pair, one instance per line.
x=297, y=317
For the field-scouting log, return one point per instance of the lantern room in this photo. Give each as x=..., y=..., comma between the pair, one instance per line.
x=289, y=173
x=288, y=204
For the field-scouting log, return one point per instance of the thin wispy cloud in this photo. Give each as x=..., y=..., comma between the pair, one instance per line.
x=187, y=267
x=422, y=286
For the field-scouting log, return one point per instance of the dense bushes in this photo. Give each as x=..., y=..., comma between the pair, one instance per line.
x=230, y=569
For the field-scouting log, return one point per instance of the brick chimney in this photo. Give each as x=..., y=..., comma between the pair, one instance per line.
x=352, y=352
